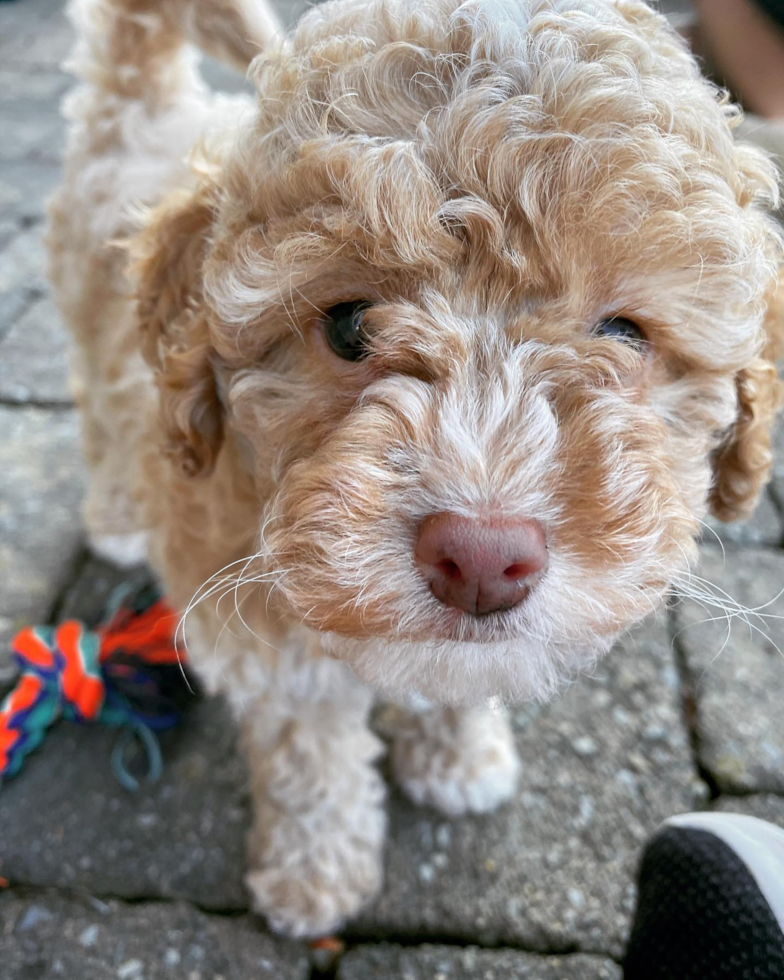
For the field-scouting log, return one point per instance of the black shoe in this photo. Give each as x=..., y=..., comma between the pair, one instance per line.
x=711, y=901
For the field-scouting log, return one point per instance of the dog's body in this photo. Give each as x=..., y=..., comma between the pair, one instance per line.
x=493, y=192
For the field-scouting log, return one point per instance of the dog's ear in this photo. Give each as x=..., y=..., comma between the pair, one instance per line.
x=168, y=264
x=742, y=462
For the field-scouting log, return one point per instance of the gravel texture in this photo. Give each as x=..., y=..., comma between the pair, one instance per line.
x=40, y=534
x=53, y=937
x=449, y=963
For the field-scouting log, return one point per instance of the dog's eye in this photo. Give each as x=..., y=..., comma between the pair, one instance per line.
x=621, y=328
x=343, y=330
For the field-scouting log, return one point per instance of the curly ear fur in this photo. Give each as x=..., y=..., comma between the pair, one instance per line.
x=169, y=255
x=742, y=463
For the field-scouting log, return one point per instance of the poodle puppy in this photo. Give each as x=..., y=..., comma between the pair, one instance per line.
x=412, y=377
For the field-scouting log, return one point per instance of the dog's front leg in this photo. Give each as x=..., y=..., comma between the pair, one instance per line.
x=458, y=760
x=319, y=822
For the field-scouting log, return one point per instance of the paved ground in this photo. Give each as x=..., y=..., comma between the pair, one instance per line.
x=104, y=884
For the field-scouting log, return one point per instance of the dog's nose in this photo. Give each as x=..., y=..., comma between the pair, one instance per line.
x=481, y=565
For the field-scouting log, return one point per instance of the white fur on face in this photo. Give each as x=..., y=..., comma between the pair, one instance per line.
x=467, y=673
x=341, y=530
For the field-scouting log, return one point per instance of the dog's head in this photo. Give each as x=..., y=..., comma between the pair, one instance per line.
x=481, y=298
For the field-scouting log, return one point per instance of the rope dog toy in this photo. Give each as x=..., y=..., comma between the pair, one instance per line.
x=126, y=674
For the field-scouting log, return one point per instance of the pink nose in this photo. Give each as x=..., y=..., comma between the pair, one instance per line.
x=481, y=565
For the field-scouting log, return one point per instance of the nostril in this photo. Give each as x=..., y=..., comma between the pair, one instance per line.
x=518, y=570
x=450, y=569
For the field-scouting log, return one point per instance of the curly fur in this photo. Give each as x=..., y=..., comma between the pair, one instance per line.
x=496, y=176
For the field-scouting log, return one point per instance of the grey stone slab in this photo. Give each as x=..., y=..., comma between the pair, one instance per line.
x=67, y=822
x=22, y=91
x=777, y=484
x=33, y=128
x=88, y=596
x=34, y=357
x=737, y=670
x=553, y=870
x=25, y=187
x=40, y=492
x=9, y=228
x=47, y=936
x=222, y=78
x=35, y=34
x=764, y=527
x=764, y=806
x=290, y=11
x=676, y=6
x=387, y=962
x=22, y=274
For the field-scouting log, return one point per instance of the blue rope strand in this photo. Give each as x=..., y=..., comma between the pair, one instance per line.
x=148, y=741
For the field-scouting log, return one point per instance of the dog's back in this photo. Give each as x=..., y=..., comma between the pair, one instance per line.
x=134, y=120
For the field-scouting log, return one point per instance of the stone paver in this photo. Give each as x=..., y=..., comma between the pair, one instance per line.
x=25, y=187
x=764, y=806
x=75, y=827
x=34, y=40
x=182, y=838
x=40, y=492
x=35, y=35
x=385, y=962
x=553, y=870
x=22, y=275
x=777, y=483
x=765, y=527
x=33, y=126
x=50, y=937
x=87, y=597
x=34, y=357
x=737, y=671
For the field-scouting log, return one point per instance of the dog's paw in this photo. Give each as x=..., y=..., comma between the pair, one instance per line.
x=312, y=894
x=458, y=762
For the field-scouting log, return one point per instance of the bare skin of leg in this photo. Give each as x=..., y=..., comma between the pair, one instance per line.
x=747, y=48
